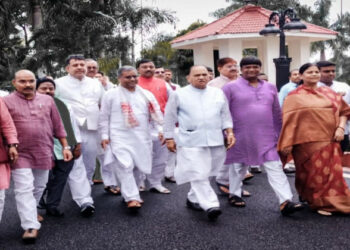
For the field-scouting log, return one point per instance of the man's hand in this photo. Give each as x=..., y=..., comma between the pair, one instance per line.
x=339, y=134
x=231, y=140
x=77, y=151
x=287, y=151
x=67, y=155
x=104, y=144
x=161, y=138
x=171, y=145
x=13, y=154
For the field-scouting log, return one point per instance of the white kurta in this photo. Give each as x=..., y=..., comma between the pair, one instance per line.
x=83, y=96
x=130, y=146
x=202, y=115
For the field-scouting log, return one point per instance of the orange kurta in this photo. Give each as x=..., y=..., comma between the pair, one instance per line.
x=310, y=118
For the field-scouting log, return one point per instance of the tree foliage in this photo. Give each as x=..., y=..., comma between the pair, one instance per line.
x=40, y=34
x=179, y=61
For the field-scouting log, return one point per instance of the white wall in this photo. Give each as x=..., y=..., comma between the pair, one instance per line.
x=203, y=54
x=231, y=48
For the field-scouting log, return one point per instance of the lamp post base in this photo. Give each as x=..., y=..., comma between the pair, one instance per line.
x=282, y=71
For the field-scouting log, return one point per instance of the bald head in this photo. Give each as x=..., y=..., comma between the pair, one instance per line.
x=23, y=72
x=198, y=76
x=24, y=83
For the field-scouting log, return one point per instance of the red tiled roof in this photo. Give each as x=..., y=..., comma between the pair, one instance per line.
x=248, y=19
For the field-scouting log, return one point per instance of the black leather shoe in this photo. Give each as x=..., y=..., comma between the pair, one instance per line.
x=87, y=210
x=54, y=212
x=194, y=206
x=289, y=171
x=213, y=213
x=170, y=179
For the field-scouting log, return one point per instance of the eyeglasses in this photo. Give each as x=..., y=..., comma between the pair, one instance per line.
x=129, y=77
x=92, y=67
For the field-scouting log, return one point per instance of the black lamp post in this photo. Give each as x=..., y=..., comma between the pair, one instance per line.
x=287, y=20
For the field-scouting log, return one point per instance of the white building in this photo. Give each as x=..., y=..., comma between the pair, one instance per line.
x=230, y=35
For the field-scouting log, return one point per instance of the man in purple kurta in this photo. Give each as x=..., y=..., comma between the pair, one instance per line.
x=257, y=122
x=37, y=122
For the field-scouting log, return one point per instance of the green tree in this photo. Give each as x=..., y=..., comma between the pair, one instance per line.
x=303, y=10
x=40, y=34
x=179, y=61
x=138, y=18
x=321, y=17
x=340, y=46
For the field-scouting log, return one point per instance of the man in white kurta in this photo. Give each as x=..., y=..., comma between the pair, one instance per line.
x=126, y=112
x=203, y=114
x=328, y=74
x=108, y=177
x=83, y=95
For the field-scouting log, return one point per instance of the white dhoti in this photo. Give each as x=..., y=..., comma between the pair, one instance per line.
x=29, y=185
x=276, y=177
x=196, y=165
x=79, y=185
x=89, y=150
x=2, y=202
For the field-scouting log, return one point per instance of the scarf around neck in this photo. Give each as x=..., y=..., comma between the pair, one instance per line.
x=128, y=113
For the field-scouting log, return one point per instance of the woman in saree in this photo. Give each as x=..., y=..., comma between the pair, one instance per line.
x=314, y=119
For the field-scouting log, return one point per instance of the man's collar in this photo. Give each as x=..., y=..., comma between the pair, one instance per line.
x=324, y=84
x=23, y=96
x=72, y=77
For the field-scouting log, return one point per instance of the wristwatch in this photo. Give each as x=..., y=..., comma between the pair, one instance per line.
x=66, y=147
x=13, y=145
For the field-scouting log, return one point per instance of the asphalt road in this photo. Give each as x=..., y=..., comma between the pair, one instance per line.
x=165, y=223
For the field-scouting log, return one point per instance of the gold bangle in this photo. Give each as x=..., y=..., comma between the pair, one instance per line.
x=341, y=128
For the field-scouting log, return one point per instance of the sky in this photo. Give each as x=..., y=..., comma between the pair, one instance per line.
x=189, y=11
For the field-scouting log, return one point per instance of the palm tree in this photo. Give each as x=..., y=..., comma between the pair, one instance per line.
x=140, y=18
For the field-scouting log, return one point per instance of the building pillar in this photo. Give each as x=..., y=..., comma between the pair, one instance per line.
x=203, y=54
x=271, y=51
x=231, y=48
x=299, y=51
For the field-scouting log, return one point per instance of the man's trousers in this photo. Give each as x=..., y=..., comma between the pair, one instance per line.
x=79, y=185
x=276, y=177
x=57, y=180
x=29, y=185
x=2, y=202
x=159, y=158
x=107, y=173
x=89, y=147
x=128, y=184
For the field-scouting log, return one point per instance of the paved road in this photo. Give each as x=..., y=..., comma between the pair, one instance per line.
x=165, y=223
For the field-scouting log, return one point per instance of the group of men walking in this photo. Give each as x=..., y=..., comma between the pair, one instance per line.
x=134, y=130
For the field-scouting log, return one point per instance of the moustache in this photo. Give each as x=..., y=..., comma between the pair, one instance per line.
x=28, y=88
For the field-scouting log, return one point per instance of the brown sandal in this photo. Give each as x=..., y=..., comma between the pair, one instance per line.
x=133, y=205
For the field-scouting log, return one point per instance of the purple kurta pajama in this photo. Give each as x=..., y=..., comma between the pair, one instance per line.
x=257, y=122
x=37, y=122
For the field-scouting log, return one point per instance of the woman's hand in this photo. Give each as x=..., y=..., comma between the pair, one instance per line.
x=339, y=134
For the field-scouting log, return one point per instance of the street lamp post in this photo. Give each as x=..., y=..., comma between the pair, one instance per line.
x=286, y=20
